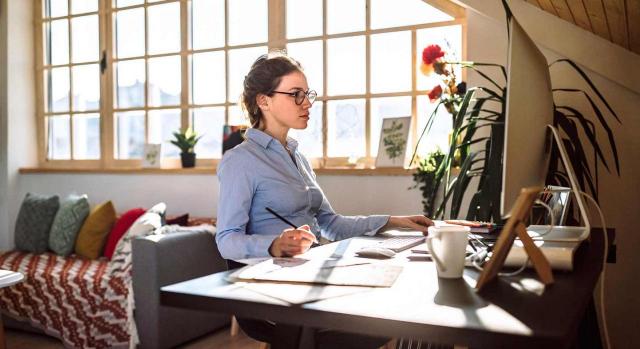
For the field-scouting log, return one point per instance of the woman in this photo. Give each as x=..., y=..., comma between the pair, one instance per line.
x=267, y=170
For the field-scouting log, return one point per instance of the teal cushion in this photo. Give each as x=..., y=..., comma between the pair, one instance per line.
x=64, y=230
x=34, y=222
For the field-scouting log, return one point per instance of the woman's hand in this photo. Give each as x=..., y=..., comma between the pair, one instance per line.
x=292, y=242
x=420, y=223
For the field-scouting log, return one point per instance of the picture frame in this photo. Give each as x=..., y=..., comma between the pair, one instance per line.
x=394, y=140
x=152, y=155
x=515, y=228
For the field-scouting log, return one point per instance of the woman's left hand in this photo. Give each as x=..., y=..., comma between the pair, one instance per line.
x=420, y=223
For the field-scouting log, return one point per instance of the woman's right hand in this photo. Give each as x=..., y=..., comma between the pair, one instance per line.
x=292, y=242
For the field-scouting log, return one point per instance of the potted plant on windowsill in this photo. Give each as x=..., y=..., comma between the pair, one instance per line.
x=186, y=140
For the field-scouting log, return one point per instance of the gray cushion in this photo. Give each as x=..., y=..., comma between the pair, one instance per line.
x=34, y=222
x=67, y=223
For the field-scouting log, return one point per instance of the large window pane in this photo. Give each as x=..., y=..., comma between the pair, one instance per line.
x=130, y=33
x=130, y=78
x=58, y=42
x=207, y=24
x=309, y=54
x=58, y=89
x=164, y=81
x=310, y=139
x=237, y=117
x=449, y=39
x=345, y=123
x=345, y=16
x=346, y=66
x=388, y=107
x=129, y=135
x=208, y=123
x=86, y=136
x=162, y=124
x=85, y=39
x=164, y=28
x=86, y=87
x=248, y=21
x=59, y=138
x=55, y=8
x=208, y=77
x=124, y=3
x=240, y=62
x=391, y=62
x=304, y=18
x=83, y=6
x=439, y=134
x=398, y=13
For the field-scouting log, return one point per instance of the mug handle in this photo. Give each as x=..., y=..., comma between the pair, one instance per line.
x=434, y=255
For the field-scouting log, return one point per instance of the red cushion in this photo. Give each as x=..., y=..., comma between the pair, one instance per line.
x=120, y=228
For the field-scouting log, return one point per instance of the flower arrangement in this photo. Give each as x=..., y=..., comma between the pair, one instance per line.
x=452, y=94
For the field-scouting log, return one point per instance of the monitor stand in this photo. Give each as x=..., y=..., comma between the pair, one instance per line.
x=564, y=233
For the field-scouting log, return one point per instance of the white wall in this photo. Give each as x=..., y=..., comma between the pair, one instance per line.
x=18, y=115
x=198, y=194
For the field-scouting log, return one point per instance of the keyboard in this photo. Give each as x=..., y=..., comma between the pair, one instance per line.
x=401, y=243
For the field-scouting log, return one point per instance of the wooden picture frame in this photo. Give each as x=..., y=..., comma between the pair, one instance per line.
x=394, y=139
x=515, y=227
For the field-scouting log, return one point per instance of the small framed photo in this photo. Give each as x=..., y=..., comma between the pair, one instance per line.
x=152, y=155
x=394, y=136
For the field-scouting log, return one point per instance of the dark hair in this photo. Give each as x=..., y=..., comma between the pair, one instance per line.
x=263, y=78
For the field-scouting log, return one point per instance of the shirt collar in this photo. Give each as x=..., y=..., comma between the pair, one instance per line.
x=263, y=139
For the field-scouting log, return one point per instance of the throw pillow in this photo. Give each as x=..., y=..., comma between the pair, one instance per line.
x=67, y=223
x=34, y=222
x=145, y=225
x=120, y=228
x=182, y=220
x=94, y=231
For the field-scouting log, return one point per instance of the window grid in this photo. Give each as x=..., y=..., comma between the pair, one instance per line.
x=277, y=39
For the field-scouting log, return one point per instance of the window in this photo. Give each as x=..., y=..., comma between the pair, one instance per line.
x=117, y=74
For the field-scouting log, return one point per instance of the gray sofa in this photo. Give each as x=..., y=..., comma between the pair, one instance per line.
x=163, y=260
x=160, y=260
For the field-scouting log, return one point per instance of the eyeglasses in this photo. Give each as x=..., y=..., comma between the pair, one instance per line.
x=300, y=95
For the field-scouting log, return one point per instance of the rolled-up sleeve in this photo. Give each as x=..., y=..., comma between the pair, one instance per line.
x=236, y=193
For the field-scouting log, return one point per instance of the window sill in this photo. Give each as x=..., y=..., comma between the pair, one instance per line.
x=332, y=171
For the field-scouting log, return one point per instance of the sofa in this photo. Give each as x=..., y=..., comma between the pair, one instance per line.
x=57, y=286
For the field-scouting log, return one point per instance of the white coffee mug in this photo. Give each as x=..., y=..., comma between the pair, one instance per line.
x=448, y=246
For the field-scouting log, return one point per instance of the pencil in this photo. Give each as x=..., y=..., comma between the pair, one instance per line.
x=285, y=220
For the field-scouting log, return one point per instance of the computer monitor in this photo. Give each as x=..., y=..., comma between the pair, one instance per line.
x=529, y=109
x=529, y=133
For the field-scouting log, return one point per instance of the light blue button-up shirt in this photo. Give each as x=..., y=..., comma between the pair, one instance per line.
x=260, y=173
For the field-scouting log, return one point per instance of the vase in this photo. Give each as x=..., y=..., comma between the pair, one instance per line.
x=188, y=160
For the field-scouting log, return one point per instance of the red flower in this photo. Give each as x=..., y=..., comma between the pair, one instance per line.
x=431, y=53
x=435, y=93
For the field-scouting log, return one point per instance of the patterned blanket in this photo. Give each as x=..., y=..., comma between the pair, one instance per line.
x=80, y=301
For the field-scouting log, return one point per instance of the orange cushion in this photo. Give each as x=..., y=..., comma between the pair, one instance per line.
x=94, y=231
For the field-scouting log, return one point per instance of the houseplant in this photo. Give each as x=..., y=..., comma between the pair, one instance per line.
x=481, y=157
x=186, y=140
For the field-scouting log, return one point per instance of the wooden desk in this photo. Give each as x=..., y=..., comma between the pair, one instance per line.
x=507, y=313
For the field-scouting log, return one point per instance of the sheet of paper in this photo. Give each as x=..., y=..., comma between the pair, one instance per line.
x=300, y=294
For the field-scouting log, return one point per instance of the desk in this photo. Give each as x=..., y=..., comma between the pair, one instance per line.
x=507, y=313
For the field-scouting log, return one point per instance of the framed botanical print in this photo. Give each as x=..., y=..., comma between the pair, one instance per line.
x=394, y=140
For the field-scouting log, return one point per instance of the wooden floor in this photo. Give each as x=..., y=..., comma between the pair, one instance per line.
x=220, y=339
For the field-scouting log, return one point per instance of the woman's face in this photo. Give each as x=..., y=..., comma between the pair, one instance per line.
x=283, y=111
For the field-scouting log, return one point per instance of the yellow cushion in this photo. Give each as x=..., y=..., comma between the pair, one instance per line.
x=95, y=230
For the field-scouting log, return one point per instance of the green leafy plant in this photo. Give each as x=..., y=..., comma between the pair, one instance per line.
x=424, y=177
x=485, y=107
x=186, y=140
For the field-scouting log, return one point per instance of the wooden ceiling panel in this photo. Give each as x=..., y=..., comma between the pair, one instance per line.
x=596, y=13
x=562, y=10
x=617, y=19
x=579, y=14
x=633, y=25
